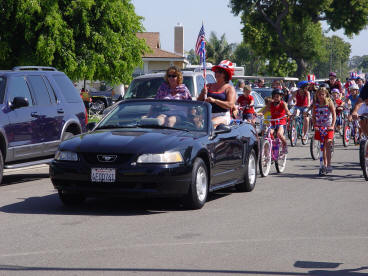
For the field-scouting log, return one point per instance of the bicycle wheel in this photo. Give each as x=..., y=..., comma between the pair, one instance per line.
x=293, y=133
x=363, y=156
x=315, y=146
x=280, y=163
x=265, y=158
x=305, y=139
x=356, y=134
x=346, y=134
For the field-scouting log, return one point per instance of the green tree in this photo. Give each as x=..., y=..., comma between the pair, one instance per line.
x=246, y=57
x=87, y=39
x=192, y=57
x=277, y=27
x=336, y=58
x=218, y=49
x=364, y=63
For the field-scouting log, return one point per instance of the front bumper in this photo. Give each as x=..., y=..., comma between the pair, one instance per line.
x=134, y=180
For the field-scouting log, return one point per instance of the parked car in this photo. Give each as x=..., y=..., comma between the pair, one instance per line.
x=264, y=92
x=130, y=153
x=40, y=107
x=146, y=86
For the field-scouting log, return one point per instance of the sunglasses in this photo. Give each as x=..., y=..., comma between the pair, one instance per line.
x=172, y=76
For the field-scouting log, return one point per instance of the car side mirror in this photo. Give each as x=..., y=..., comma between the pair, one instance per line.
x=91, y=126
x=19, y=102
x=221, y=128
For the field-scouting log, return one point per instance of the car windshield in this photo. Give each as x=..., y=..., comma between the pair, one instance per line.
x=264, y=92
x=182, y=115
x=147, y=87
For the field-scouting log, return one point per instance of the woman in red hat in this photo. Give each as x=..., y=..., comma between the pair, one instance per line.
x=221, y=95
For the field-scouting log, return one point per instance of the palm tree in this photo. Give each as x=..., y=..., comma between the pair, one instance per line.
x=218, y=49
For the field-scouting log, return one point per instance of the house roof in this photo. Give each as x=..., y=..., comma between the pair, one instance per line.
x=153, y=41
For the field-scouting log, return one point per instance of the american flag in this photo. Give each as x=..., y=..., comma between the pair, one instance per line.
x=200, y=49
x=200, y=39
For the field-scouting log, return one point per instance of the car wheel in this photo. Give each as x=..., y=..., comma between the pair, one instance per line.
x=198, y=190
x=70, y=199
x=67, y=135
x=250, y=174
x=1, y=166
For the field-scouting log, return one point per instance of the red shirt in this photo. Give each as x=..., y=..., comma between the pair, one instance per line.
x=301, y=100
x=278, y=111
x=244, y=101
x=338, y=102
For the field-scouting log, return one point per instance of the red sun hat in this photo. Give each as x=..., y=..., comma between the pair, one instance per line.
x=226, y=65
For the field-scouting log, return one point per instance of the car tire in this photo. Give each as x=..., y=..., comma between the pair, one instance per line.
x=250, y=174
x=198, y=190
x=1, y=167
x=70, y=199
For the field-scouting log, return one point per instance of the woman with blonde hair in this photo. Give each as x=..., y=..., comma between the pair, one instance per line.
x=324, y=119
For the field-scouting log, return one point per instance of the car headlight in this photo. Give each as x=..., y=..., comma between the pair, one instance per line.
x=166, y=157
x=66, y=156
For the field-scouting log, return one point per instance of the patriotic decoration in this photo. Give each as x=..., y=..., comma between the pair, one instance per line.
x=353, y=75
x=227, y=65
x=200, y=49
x=311, y=78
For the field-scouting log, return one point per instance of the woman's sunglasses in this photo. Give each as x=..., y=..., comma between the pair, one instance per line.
x=172, y=76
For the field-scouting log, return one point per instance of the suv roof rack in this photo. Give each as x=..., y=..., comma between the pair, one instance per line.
x=38, y=68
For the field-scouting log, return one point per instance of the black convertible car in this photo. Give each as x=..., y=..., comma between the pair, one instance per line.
x=156, y=148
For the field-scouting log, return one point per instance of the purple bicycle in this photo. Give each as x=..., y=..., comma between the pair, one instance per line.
x=270, y=150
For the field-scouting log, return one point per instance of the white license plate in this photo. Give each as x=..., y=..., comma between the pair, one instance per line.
x=103, y=175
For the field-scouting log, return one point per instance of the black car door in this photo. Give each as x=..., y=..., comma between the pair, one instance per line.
x=227, y=156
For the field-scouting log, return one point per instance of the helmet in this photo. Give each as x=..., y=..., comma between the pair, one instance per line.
x=325, y=85
x=332, y=74
x=277, y=91
x=354, y=86
x=302, y=84
x=335, y=90
x=227, y=66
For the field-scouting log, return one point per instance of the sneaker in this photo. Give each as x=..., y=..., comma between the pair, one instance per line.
x=322, y=171
x=329, y=169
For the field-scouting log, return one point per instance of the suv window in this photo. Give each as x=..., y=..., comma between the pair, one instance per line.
x=144, y=88
x=18, y=88
x=210, y=79
x=200, y=83
x=41, y=94
x=188, y=81
x=67, y=88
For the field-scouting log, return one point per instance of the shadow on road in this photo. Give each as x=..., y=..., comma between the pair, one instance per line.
x=173, y=271
x=21, y=178
x=116, y=206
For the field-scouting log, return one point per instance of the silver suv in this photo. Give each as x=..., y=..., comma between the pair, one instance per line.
x=146, y=86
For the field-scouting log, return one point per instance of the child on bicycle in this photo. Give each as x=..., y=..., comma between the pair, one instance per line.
x=339, y=107
x=278, y=109
x=302, y=103
x=246, y=104
x=324, y=119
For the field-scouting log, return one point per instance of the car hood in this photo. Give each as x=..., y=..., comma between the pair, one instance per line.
x=130, y=141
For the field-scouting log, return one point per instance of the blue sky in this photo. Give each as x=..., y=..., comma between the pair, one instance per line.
x=162, y=15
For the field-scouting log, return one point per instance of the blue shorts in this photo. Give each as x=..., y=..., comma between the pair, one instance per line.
x=276, y=127
x=302, y=109
x=248, y=116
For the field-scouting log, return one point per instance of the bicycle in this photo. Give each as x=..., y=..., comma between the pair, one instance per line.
x=315, y=146
x=270, y=150
x=296, y=130
x=323, y=133
x=350, y=130
x=363, y=152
